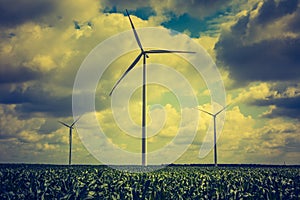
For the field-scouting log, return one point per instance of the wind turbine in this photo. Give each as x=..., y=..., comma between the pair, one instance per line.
x=143, y=53
x=215, y=131
x=70, y=136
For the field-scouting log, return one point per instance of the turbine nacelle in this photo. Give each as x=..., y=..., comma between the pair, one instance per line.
x=64, y=124
x=214, y=115
x=146, y=55
x=72, y=125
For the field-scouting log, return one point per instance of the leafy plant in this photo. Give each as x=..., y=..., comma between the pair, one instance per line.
x=174, y=182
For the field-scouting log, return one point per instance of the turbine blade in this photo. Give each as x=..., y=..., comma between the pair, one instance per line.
x=75, y=121
x=64, y=124
x=167, y=51
x=126, y=72
x=222, y=109
x=134, y=31
x=205, y=112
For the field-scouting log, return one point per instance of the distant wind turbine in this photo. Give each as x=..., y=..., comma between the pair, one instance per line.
x=145, y=55
x=70, y=136
x=215, y=131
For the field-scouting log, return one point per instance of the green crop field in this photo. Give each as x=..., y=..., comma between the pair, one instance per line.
x=173, y=182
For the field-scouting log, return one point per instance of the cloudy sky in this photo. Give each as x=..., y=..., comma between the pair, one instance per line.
x=255, y=45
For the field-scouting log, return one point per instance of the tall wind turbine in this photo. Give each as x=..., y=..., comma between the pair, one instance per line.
x=143, y=53
x=215, y=131
x=70, y=136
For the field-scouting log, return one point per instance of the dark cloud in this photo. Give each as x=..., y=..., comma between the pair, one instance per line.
x=53, y=106
x=271, y=10
x=9, y=74
x=269, y=60
x=199, y=8
x=250, y=58
x=285, y=107
x=286, y=99
x=14, y=12
x=12, y=97
x=117, y=5
x=50, y=125
x=35, y=100
x=18, y=93
x=294, y=24
x=282, y=112
x=292, y=145
x=4, y=136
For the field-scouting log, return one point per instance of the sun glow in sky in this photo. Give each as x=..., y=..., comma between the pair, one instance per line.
x=255, y=45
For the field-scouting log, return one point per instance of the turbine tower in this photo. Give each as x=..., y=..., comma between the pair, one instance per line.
x=70, y=136
x=143, y=53
x=215, y=131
